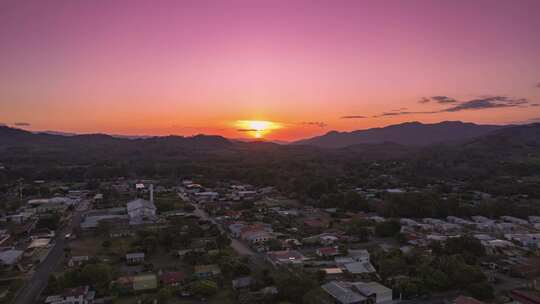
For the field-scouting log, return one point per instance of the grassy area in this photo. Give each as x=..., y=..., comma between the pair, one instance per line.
x=93, y=246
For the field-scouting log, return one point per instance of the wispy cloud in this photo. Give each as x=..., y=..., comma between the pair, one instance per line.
x=21, y=124
x=488, y=103
x=247, y=130
x=538, y=85
x=438, y=99
x=353, y=117
x=320, y=124
x=481, y=103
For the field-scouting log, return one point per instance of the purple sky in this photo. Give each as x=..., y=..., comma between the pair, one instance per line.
x=185, y=67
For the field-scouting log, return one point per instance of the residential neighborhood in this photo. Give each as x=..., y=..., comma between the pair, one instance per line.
x=139, y=241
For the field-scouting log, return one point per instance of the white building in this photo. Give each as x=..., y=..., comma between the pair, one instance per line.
x=141, y=211
x=79, y=295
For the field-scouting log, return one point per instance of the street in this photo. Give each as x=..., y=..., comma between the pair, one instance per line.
x=238, y=246
x=31, y=291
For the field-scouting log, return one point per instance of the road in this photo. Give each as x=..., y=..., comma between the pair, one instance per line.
x=31, y=291
x=238, y=246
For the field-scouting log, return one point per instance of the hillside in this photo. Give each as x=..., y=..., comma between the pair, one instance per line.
x=409, y=134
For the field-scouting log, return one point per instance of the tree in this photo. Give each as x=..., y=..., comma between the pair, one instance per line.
x=482, y=291
x=99, y=275
x=204, y=287
x=164, y=295
x=53, y=285
x=388, y=228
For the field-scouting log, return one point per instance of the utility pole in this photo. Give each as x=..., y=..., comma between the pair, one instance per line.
x=20, y=190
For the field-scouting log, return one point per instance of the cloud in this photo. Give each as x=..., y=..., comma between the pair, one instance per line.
x=320, y=124
x=353, y=117
x=443, y=99
x=3, y=124
x=247, y=130
x=481, y=103
x=487, y=103
x=21, y=124
x=397, y=113
x=537, y=85
x=438, y=99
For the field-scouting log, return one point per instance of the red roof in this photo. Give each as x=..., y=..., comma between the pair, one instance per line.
x=328, y=250
x=172, y=277
x=525, y=297
x=316, y=222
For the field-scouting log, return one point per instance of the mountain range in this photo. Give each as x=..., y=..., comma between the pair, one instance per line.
x=408, y=134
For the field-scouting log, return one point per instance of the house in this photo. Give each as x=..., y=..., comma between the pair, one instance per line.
x=358, y=292
x=78, y=295
x=135, y=258
x=358, y=268
x=316, y=223
x=242, y=283
x=172, y=278
x=514, y=220
x=326, y=252
x=332, y=273
x=206, y=271
x=342, y=293
x=256, y=237
x=10, y=257
x=145, y=282
x=78, y=261
x=531, y=240
x=359, y=255
x=285, y=257
x=327, y=240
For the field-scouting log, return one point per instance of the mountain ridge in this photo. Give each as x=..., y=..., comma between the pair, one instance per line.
x=408, y=133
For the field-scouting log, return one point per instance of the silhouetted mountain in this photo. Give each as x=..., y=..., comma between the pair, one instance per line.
x=409, y=133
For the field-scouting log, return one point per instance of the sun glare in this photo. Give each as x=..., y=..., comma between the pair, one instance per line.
x=257, y=128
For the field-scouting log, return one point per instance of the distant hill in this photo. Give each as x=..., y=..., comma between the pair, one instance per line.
x=409, y=134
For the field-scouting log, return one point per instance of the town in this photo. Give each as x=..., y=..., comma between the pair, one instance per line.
x=183, y=241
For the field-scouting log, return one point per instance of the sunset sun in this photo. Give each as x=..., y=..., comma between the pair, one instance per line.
x=257, y=128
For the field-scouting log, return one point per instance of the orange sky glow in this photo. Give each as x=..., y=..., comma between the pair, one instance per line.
x=279, y=70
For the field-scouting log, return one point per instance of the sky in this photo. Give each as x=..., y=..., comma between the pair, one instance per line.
x=304, y=67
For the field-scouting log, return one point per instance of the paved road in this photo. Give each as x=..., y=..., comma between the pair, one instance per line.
x=31, y=292
x=238, y=246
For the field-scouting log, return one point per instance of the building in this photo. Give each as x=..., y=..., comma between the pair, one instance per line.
x=285, y=257
x=10, y=257
x=78, y=261
x=207, y=271
x=358, y=268
x=359, y=255
x=78, y=295
x=172, y=278
x=145, y=282
x=326, y=252
x=135, y=258
x=141, y=211
x=358, y=292
x=242, y=283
